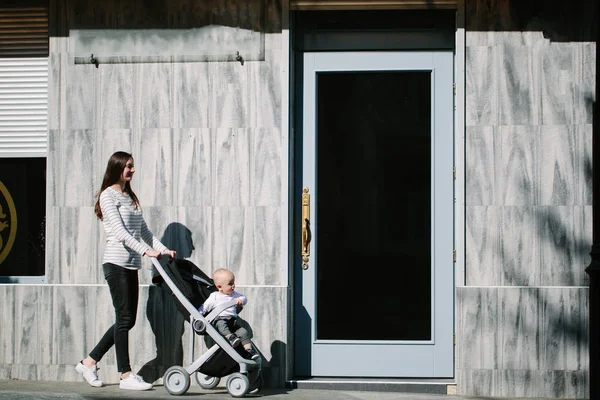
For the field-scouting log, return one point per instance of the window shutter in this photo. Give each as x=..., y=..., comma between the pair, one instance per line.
x=24, y=29
x=23, y=107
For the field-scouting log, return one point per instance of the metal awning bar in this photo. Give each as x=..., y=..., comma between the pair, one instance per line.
x=371, y=4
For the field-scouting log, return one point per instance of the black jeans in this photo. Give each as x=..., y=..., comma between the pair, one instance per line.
x=124, y=290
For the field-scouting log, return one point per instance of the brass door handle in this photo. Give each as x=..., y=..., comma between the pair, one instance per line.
x=306, y=236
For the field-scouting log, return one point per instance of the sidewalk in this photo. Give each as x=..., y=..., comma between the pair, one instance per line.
x=41, y=390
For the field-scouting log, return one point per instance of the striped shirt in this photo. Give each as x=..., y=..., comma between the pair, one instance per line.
x=124, y=226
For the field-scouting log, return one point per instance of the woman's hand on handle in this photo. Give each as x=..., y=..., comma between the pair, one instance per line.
x=153, y=253
x=171, y=253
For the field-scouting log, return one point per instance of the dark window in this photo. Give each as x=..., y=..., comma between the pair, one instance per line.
x=22, y=217
x=24, y=28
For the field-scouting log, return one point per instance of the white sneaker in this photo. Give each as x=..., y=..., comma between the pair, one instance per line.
x=134, y=382
x=89, y=374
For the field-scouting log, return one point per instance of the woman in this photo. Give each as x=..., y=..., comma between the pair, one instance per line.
x=119, y=209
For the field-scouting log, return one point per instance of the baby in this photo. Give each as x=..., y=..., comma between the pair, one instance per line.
x=227, y=323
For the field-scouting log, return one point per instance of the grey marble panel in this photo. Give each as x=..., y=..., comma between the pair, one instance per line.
x=273, y=41
x=233, y=241
x=481, y=95
x=266, y=231
x=52, y=168
x=577, y=385
x=584, y=167
x=563, y=329
x=557, y=68
x=481, y=155
x=520, y=246
x=483, y=257
x=52, y=245
x=7, y=315
x=558, y=161
x=73, y=256
x=231, y=160
x=479, y=382
x=142, y=343
x=265, y=91
x=81, y=98
x=191, y=93
x=45, y=324
x=521, y=330
x=154, y=95
x=190, y=235
x=192, y=173
x=74, y=177
x=501, y=38
x=229, y=103
x=584, y=111
x=116, y=98
x=517, y=164
x=479, y=332
x=74, y=313
x=577, y=314
x=266, y=167
x=26, y=319
x=153, y=181
x=564, y=245
x=520, y=383
x=61, y=372
x=55, y=90
x=518, y=86
x=478, y=38
x=214, y=41
x=5, y=371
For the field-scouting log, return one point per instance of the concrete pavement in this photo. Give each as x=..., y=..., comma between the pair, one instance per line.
x=43, y=390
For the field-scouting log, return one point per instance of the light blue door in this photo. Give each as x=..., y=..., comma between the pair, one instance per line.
x=377, y=281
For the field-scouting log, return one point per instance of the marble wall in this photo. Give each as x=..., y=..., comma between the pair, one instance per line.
x=209, y=146
x=522, y=317
x=211, y=149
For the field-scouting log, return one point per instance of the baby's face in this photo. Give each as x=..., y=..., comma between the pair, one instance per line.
x=228, y=286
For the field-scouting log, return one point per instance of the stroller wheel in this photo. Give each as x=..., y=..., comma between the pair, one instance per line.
x=207, y=382
x=176, y=380
x=238, y=385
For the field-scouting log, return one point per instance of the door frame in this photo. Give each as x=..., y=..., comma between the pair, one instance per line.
x=305, y=37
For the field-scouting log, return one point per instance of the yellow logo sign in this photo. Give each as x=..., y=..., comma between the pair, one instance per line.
x=8, y=222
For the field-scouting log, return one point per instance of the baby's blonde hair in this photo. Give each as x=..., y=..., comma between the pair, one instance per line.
x=222, y=276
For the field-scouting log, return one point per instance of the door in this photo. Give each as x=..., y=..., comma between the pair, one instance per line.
x=375, y=285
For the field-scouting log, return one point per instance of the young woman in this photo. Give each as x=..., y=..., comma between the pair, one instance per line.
x=127, y=240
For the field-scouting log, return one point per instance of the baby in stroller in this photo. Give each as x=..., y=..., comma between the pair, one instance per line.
x=228, y=323
x=192, y=287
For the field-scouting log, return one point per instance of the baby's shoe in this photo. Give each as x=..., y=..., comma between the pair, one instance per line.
x=234, y=340
x=89, y=374
x=253, y=354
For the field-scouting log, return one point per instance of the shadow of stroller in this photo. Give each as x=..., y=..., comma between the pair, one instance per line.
x=162, y=312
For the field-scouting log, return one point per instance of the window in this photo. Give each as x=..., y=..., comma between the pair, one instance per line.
x=22, y=217
x=24, y=49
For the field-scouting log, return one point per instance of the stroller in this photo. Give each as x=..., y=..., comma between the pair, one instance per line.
x=191, y=287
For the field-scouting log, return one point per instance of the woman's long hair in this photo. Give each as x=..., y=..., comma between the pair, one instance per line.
x=114, y=170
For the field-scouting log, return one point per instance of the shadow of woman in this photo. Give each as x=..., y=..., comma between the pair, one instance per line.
x=162, y=312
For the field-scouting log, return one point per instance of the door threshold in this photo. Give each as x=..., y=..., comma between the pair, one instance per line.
x=401, y=385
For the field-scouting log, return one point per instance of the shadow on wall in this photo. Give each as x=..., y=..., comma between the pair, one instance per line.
x=559, y=20
x=162, y=312
x=255, y=15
